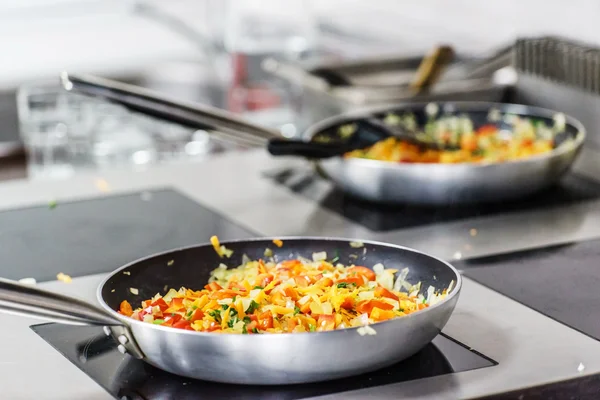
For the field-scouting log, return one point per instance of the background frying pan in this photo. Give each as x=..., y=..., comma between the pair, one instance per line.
x=385, y=182
x=251, y=359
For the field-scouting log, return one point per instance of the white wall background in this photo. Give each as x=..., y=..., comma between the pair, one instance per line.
x=40, y=37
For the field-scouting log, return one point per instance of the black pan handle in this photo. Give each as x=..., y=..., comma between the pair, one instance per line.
x=311, y=150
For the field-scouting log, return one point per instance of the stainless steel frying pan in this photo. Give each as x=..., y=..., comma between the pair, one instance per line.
x=430, y=183
x=249, y=359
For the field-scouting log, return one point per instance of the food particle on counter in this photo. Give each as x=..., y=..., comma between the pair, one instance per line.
x=102, y=185
x=278, y=242
x=28, y=281
x=52, y=204
x=64, y=278
x=457, y=255
x=580, y=367
x=134, y=291
x=473, y=232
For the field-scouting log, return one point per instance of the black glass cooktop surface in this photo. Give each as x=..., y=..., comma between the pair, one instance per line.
x=99, y=235
x=572, y=188
x=554, y=281
x=127, y=378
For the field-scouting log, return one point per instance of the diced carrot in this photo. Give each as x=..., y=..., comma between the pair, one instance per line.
x=348, y=303
x=364, y=271
x=487, y=130
x=325, y=282
x=381, y=315
x=468, y=142
x=265, y=320
x=380, y=291
x=213, y=286
x=263, y=279
x=302, y=281
x=291, y=293
x=366, y=306
x=326, y=322
x=196, y=315
x=125, y=308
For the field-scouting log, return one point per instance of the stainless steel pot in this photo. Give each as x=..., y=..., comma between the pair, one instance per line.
x=250, y=359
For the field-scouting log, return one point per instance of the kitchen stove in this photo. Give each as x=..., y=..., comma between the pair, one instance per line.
x=573, y=188
x=126, y=378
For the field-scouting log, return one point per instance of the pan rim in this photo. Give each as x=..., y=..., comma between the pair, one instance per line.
x=129, y=321
x=532, y=111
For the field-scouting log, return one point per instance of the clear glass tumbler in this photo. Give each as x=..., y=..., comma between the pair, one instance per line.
x=65, y=133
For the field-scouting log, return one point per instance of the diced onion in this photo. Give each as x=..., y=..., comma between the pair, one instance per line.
x=357, y=245
x=321, y=256
x=431, y=109
x=134, y=291
x=560, y=122
x=148, y=318
x=401, y=281
x=378, y=268
x=169, y=296
x=363, y=319
x=366, y=295
x=246, y=303
x=450, y=286
x=224, y=301
x=430, y=294
x=327, y=308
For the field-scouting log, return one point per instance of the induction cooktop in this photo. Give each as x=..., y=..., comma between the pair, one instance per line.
x=127, y=378
x=306, y=182
x=97, y=235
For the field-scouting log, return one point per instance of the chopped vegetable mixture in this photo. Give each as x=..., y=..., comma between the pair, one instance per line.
x=297, y=295
x=519, y=138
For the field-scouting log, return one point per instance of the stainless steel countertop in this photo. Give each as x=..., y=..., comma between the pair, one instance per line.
x=531, y=349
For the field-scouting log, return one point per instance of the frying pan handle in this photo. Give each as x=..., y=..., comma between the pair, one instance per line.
x=311, y=150
x=33, y=302
x=30, y=301
x=156, y=105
